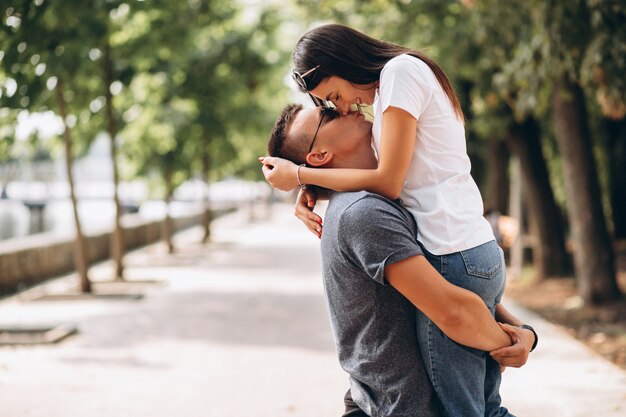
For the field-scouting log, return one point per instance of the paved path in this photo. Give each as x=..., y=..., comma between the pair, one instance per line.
x=239, y=328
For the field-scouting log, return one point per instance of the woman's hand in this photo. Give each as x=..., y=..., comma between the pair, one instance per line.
x=280, y=173
x=515, y=355
x=305, y=203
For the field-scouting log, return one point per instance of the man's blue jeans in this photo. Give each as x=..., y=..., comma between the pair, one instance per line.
x=466, y=380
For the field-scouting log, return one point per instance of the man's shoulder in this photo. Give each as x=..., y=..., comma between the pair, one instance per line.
x=365, y=209
x=355, y=202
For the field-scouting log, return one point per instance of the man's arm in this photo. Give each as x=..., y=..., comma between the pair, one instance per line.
x=523, y=340
x=459, y=313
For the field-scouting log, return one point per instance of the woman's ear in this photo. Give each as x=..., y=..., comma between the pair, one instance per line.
x=319, y=159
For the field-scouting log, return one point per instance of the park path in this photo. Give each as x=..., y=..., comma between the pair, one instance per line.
x=239, y=329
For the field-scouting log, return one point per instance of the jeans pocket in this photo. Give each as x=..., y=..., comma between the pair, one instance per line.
x=484, y=261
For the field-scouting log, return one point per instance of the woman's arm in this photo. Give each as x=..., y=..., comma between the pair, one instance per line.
x=396, y=152
x=459, y=313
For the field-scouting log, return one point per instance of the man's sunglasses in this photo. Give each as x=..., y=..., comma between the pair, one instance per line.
x=324, y=111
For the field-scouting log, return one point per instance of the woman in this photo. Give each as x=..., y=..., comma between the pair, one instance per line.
x=419, y=137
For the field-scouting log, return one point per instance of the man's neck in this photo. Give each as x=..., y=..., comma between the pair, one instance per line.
x=356, y=160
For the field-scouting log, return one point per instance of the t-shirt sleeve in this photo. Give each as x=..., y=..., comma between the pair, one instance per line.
x=373, y=234
x=405, y=83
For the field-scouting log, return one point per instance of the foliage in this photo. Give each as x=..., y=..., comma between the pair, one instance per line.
x=186, y=75
x=198, y=75
x=604, y=63
x=47, y=42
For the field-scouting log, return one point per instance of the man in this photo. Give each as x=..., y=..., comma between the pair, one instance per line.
x=375, y=275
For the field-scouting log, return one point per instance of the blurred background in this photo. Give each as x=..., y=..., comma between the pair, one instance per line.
x=157, y=111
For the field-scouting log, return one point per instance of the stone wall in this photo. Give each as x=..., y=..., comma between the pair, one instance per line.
x=32, y=259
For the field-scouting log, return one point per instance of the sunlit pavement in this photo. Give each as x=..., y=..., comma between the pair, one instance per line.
x=239, y=328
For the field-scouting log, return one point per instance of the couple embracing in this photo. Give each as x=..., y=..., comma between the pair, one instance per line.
x=412, y=273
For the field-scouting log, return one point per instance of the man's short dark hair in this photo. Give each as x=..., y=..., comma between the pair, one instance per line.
x=282, y=145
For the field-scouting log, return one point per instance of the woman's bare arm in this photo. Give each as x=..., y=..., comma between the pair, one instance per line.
x=396, y=152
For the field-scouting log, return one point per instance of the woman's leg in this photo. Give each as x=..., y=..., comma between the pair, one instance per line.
x=463, y=377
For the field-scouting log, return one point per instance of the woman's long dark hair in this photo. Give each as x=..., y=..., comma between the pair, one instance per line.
x=355, y=57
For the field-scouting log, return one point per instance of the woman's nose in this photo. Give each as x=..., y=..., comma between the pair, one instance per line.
x=344, y=108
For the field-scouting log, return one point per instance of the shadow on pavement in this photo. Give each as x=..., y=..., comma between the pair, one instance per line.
x=259, y=319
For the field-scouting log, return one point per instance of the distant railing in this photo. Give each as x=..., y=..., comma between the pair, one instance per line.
x=32, y=259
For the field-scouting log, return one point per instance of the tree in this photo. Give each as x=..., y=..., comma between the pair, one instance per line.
x=550, y=258
x=117, y=238
x=157, y=145
x=80, y=247
x=615, y=133
x=593, y=252
x=45, y=49
x=568, y=30
x=225, y=73
x=108, y=15
x=603, y=69
x=510, y=98
x=242, y=84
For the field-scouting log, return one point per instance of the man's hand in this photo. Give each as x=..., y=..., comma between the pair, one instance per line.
x=305, y=203
x=515, y=355
x=280, y=173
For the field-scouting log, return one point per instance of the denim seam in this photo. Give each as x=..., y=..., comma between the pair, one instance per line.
x=430, y=357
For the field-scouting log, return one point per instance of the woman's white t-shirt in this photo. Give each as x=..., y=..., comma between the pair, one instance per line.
x=439, y=190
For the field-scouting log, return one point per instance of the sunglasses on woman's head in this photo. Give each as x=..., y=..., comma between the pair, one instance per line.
x=299, y=78
x=331, y=113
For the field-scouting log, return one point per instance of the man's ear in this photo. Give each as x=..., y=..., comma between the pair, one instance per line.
x=318, y=159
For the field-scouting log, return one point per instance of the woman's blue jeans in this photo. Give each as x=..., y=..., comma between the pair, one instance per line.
x=466, y=380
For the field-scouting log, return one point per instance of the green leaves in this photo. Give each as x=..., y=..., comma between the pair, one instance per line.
x=187, y=76
x=211, y=74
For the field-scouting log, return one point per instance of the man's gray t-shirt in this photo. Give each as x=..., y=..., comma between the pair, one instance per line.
x=373, y=324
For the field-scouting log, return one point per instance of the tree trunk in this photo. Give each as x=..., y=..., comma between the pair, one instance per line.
x=497, y=177
x=208, y=214
x=168, y=223
x=594, y=259
x=474, y=144
x=80, y=249
x=549, y=255
x=117, y=238
x=616, y=152
x=516, y=210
